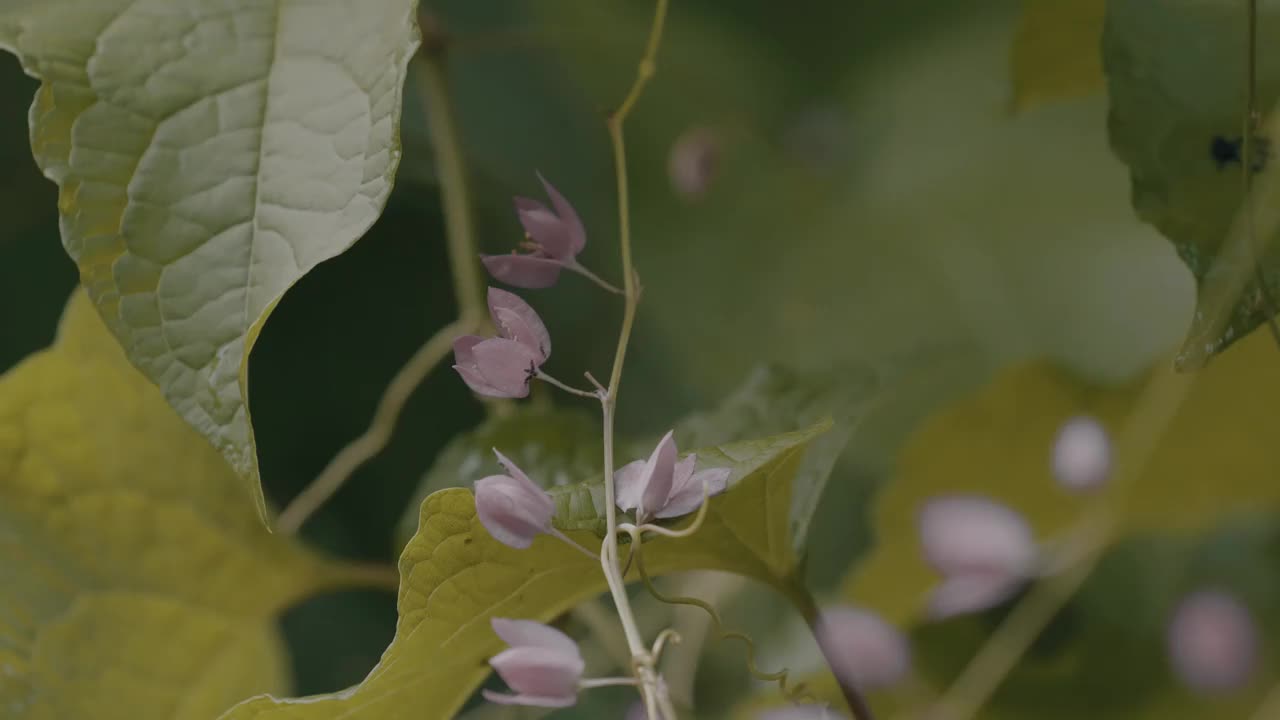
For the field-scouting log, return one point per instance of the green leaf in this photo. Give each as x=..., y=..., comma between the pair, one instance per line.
x=138, y=581
x=1056, y=51
x=554, y=446
x=455, y=577
x=1177, y=80
x=774, y=398
x=207, y=159
x=1218, y=458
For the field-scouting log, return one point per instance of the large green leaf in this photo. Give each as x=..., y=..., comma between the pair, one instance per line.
x=207, y=157
x=455, y=577
x=138, y=581
x=1177, y=80
x=1057, y=51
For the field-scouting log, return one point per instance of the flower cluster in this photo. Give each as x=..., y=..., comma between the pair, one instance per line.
x=542, y=665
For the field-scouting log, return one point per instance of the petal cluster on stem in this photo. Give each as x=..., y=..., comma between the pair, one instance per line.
x=664, y=487
x=503, y=366
x=554, y=235
x=542, y=665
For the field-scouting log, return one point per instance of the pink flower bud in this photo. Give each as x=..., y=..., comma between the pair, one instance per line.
x=664, y=488
x=542, y=664
x=503, y=366
x=1213, y=642
x=983, y=549
x=557, y=237
x=863, y=650
x=1082, y=454
x=512, y=507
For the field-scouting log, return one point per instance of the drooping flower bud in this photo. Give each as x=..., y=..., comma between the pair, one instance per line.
x=1213, y=642
x=1082, y=454
x=556, y=238
x=512, y=507
x=984, y=551
x=542, y=665
x=663, y=488
x=503, y=366
x=862, y=649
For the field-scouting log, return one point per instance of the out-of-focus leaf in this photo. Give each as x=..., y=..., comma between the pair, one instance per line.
x=554, y=446
x=1219, y=457
x=1104, y=655
x=207, y=157
x=138, y=581
x=1177, y=81
x=455, y=577
x=1057, y=51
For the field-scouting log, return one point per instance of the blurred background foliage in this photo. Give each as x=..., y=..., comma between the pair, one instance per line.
x=879, y=205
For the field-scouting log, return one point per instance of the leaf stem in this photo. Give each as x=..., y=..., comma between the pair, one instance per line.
x=468, y=289
x=567, y=388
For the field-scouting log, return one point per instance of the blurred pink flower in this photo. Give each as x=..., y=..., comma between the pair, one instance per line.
x=862, y=649
x=984, y=551
x=542, y=665
x=1213, y=642
x=1082, y=454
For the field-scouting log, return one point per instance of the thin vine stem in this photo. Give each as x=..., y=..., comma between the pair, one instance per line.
x=467, y=282
x=657, y=705
x=379, y=432
x=1248, y=153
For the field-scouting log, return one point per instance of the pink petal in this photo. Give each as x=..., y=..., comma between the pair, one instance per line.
x=628, y=484
x=517, y=321
x=529, y=700
x=462, y=349
x=575, y=235
x=534, y=491
x=1082, y=454
x=523, y=271
x=477, y=383
x=529, y=633
x=970, y=593
x=538, y=671
x=863, y=650
x=1213, y=642
x=511, y=514
x=689, y=498
x=545, y=228
x=683, y=472
x=506, y=365
x=658, y=476
x=973, y=535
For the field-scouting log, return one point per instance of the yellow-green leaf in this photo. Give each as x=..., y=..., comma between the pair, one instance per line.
x=1218, y=458
x=455, y=577
x=208, y=156
x=1057, y=51
x=138, y=582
